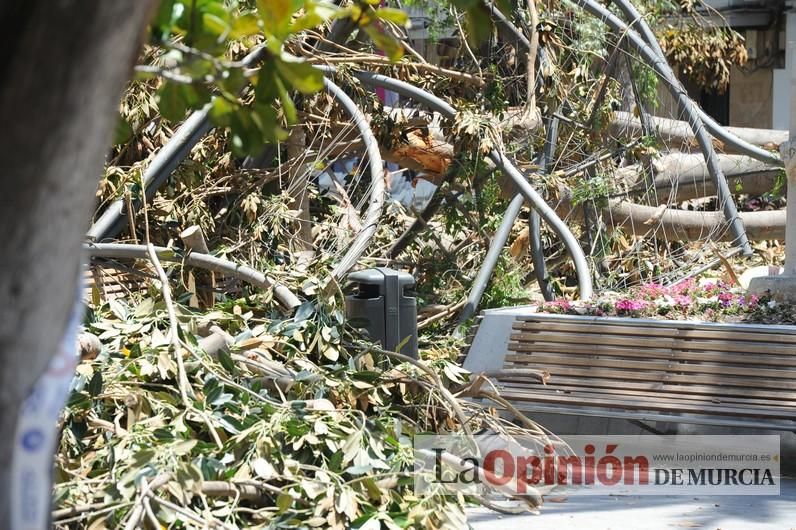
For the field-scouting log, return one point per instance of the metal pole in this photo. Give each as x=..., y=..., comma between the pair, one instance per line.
x=530, y=194
x=491, y=259
x=535, y=221
x=379, y=186
x=201, y=261
x=113, y=219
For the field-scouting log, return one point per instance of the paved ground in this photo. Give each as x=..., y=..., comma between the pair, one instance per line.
x=648, y=512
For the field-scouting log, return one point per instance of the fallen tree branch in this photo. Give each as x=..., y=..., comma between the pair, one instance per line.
x=248, y=492
x=174, y=325
x=681, y=132
x=447, y=311
x=680, y=225
x=201, y=261
x=379, y=60
x=680, y=177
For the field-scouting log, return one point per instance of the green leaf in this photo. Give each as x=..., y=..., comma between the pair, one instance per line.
x=283, y=502
x=122, y=132
x=230, y=424
x=163, y=434
x=479, y=24
x=288, y=106
x=226, y=361
x=243, y=26
x=265, y=88
x=221, y=111
x=276, y=15
x=304, y=312
x=213, y=394
x=245, y=136
x=300, y=75
x=307, y=21
x=215, y=24
x=79, y=400
x=396, y=16
x=316, y=15
x=232, y=83
x=387, y=43
x=95, y=385
x=172, y=102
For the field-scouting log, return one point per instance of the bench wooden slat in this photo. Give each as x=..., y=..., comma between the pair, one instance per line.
x=698, y=390
x=653, y=342
x=670, y=378
x=589, y=394
x=780, y=402
x=657, y=353
x=649, y=331
x=548, y=319
x=660, y=365
x=643, y=404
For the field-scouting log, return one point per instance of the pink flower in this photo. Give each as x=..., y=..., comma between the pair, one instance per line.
x=560, y=305
x=651, y=290
x=726, y=298
x=682, y=300
x=749, y=301
x=630, y=306
x=683, y=287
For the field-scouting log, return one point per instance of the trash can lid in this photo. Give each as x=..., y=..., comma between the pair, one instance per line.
x=378, y=275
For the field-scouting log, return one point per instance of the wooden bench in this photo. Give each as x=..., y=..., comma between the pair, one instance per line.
x=650, y=370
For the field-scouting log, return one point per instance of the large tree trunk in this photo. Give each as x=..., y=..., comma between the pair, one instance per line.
x=678, y=134
x=677, y=225
x=680, y=177
x=63, y=68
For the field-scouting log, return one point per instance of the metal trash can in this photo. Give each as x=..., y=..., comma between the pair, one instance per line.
x=381, y=306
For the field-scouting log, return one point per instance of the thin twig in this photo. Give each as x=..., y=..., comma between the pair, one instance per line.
x=449, y=310
x=463, y=38
x=146, y=488
x=182, y=377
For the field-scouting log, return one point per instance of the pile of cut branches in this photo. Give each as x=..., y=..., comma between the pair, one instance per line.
x=239, y=417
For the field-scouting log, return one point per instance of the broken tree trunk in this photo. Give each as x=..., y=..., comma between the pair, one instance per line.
x=201, y=284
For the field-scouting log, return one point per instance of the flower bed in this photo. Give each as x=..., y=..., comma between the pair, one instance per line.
x=712, y=301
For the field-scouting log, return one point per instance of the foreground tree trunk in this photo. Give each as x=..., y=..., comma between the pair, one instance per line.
x=63, y=68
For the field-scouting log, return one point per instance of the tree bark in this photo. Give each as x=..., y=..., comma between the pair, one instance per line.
x=680, y=177
x=63, y=68
x=679, y=225
x=676, y=133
